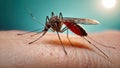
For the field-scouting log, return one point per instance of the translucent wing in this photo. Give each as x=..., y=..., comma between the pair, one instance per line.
x=82, y=21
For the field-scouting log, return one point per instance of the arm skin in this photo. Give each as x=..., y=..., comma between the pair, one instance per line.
x=15, y=52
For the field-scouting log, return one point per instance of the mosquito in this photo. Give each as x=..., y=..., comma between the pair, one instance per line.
x=56, y=22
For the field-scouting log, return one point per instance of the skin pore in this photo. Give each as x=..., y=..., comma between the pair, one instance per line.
x=48, y=53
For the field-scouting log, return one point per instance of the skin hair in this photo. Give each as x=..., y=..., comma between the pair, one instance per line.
x=15, y=52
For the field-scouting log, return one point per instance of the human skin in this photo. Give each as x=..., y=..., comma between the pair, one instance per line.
x=15, y=52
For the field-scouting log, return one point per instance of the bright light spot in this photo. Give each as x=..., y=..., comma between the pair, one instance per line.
x=109, y=3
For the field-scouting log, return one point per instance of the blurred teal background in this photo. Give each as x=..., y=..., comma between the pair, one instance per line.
x=14, y=16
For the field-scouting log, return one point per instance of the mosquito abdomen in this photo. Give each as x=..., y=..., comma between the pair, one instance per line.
x=76, y=28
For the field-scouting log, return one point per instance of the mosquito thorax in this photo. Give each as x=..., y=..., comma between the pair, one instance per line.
x=55, y=23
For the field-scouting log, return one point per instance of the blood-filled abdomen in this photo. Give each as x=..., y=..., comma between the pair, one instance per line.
x=76, y=28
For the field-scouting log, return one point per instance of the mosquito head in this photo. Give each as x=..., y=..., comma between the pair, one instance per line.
x=55, y=23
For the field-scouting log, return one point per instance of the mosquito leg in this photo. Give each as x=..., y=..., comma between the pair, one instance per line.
x=52, y=14
x=44, y=32
x=96, y=47
x=60, y=15
x=46, y=27
x=64, y=29
x=47, y=19
x=69, y=39
x=102, y=44
x=61, y=43
x=28, y=32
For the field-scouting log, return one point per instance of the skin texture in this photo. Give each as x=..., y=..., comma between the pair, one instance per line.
x=15, y=52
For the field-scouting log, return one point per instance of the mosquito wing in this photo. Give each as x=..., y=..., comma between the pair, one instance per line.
x=84, y=21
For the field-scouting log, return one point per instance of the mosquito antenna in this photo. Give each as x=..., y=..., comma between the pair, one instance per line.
x=102, y=44
x=29, y=32
x=44, y=32
x=36, y=34
x=96, y=47
x=61, y=43
x=34, y=18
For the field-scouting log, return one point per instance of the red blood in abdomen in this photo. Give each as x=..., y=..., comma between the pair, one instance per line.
x=76, y=28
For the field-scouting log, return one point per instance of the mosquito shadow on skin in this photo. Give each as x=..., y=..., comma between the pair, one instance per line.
x=66, y=43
